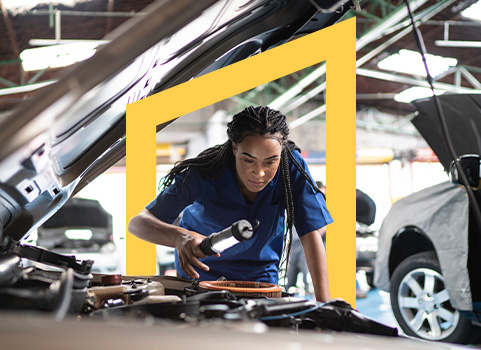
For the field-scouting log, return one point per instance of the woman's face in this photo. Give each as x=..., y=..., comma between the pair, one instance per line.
x=257, y=159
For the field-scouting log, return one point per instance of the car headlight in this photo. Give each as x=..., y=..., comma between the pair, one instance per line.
x=108, y=248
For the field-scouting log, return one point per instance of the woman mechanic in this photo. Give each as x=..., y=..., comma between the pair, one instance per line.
x=256, y=174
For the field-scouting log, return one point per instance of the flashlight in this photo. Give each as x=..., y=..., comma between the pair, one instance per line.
x=217, y=242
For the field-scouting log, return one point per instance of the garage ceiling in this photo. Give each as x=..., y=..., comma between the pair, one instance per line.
x=383, y=29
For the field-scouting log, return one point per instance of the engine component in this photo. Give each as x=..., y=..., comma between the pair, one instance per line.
x=243, y=288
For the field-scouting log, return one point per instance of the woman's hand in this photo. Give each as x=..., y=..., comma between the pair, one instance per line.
x=147, y=227
x=189, y=252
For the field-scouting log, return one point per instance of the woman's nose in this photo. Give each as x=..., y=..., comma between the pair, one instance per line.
x=259, y=171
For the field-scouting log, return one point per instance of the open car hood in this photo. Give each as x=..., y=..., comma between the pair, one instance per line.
x=463, y=118
x=54, y=144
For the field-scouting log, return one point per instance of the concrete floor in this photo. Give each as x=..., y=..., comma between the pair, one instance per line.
x=377, y=305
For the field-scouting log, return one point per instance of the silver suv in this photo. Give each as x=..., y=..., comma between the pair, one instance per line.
x=429, y=244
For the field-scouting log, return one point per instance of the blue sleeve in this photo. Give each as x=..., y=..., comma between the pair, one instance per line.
x=170, y=202
x=310, y=211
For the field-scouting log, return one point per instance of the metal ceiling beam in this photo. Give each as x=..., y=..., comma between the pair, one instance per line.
x=108, y=24
x=393, y=18
x=453, y=23
x=371, y=35
x=7, y=82
x=385, y=128
x=13, y=38
x=422, y=16
x=299, y=121
x=396, y=128
x=87, y=13
x=10, y=30
x=25, y=88
x=426, y=15
x=401, y=79
x=378, y=121
x=288, y=102
x=304, y=98
x=385, y=4
x=376, y=96
x=469, y=77
x=296, y=89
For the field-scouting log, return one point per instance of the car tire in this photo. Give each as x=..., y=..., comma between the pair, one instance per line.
x=421, y=303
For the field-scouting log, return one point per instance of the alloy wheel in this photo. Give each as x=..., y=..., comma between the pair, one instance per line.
x=424, y=304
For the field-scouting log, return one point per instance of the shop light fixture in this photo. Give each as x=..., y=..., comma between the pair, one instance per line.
x=410, y=62
x=416, y=92
x=473, y=11
x=56, y=55
x=453, y=43
x=16, y=6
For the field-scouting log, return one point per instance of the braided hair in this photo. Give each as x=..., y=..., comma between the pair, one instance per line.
x=262, y=121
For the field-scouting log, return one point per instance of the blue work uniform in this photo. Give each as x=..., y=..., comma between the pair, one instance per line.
x=210, y=205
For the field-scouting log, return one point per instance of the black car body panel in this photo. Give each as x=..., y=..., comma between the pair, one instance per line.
x=462, y=113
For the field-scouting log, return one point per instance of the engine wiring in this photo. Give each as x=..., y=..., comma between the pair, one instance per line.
x=422, y=50
x=294, y=314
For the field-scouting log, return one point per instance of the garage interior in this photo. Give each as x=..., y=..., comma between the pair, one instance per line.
x=388, y=145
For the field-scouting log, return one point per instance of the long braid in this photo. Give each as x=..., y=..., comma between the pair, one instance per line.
x=288, y=203
x=209, y=162
x=302, y=171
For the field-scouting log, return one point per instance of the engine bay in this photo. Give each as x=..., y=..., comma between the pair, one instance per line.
x=74, y=291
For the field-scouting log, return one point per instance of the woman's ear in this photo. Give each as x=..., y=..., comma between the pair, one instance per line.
x=234, y=149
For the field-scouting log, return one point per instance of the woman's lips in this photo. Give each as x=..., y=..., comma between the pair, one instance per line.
x=256, y=183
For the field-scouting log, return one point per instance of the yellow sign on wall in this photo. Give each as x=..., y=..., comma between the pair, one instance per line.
x=336, y=45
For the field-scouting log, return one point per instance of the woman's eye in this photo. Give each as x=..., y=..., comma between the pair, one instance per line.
x=248, y=161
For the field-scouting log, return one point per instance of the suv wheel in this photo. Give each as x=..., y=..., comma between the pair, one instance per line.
x=421, y=303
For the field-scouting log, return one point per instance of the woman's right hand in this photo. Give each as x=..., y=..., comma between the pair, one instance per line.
x=189, y=252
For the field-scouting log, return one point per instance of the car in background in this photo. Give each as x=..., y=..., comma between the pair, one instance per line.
x=429, y=251
x=165, y=260
x=366, y=238
x=82, y=227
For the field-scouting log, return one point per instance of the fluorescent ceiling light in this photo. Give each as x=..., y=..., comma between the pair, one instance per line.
x=56, y=56
x=16, y=6
x=410, y=62
x=416, y=92
x=473, y=11
x=453, y=43
x=48, y=42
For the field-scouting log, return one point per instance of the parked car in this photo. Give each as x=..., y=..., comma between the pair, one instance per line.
x=429, y=250
x=82, y=227
x=366, y=238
